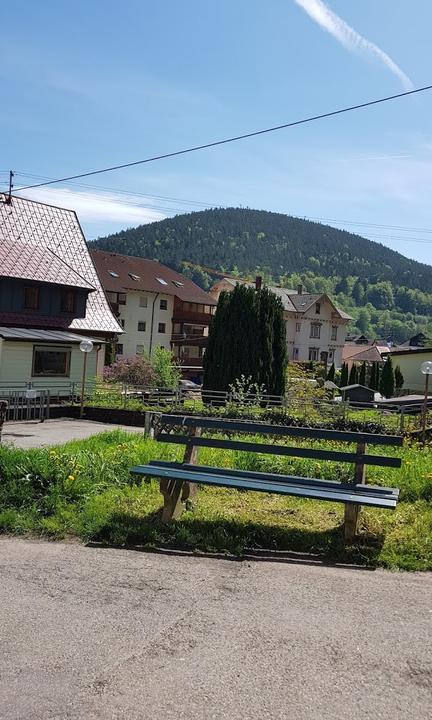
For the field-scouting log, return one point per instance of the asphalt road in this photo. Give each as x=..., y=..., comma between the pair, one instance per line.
x=32, y=434
x=104, y=633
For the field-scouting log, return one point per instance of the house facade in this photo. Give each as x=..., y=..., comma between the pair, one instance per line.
x=156, y=307
x=315, y=327
x=50, y=297
x=409, y=362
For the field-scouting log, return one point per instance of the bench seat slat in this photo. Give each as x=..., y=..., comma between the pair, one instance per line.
x=333, y=495
x=273, y=449
x=287, y=430
x=275, y=477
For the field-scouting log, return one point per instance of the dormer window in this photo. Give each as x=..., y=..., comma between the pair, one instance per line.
x=317, y=308
x=67, y=304
x=31, y=297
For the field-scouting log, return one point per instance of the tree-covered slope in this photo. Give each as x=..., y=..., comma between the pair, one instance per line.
x=227, y=238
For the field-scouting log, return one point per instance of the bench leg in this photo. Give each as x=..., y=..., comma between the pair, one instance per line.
x=173, y=503
x=352, y=512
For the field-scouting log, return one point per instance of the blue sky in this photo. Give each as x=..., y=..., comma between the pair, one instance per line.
x=85, y=85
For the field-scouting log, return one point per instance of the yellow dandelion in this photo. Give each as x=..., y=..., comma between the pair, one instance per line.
x=71, y=477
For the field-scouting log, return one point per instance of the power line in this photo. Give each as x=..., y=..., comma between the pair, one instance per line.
x=233, y=139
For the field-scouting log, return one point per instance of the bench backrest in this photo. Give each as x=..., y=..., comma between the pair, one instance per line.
x=195, y=425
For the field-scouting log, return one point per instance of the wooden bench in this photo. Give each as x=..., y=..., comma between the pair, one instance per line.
x=178, y=481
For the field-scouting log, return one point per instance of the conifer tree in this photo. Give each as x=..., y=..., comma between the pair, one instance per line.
x=362, y=374
x=247, y=337
x=387, y=382
x=344, y=375
x=331, y=372
x=399, y=378
x=352, y=380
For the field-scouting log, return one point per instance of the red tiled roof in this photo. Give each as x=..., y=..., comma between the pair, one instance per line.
x=150, y=276
x=44, y=226
x=35, y=320
x=28, y=262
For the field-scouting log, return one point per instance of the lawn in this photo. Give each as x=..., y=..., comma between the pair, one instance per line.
x=83, y=489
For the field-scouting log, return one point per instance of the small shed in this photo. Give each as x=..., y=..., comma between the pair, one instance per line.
x=357, y=393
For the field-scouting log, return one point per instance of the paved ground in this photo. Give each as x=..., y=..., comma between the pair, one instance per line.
x=54, y=432
x=116, y=634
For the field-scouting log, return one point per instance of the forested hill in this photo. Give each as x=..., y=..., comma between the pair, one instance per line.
x=277, y=244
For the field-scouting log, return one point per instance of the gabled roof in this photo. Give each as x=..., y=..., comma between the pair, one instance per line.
x=39, y=264
x=120, y=273
x=371, y=354
x=292, y=301
x=356, y=385
x=37, y=225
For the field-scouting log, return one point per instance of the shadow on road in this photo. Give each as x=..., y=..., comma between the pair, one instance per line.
x=230, y=539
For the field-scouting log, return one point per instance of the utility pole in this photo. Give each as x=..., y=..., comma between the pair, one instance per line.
x=9, y=195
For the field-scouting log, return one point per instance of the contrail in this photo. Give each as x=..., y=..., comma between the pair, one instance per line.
x=350, y=38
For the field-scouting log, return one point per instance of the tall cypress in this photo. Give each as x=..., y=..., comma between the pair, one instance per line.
x=362, y=375
x=247, y=337
x=387, y=383
x=331, y=372
x=344, y=375
x=352, y=380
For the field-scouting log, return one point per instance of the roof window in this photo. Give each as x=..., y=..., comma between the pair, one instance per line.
x=162, y=281
x=177, y=283
x=134, y=277
x=113, y=274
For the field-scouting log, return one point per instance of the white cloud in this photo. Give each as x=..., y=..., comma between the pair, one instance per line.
x=97, y=207
x=350, y=38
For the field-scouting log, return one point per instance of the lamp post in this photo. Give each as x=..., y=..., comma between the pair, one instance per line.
x=426, y=370
x=86, y=346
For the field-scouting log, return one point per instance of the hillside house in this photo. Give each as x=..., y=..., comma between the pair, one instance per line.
x=50, y=297
x=156, y=306
x=315, y=327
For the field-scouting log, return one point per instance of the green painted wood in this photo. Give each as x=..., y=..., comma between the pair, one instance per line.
x=266, y=429
x=353, y=495
x=270, y=449
x=275, y=477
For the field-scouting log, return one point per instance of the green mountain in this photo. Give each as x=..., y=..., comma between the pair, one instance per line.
x=387, y=293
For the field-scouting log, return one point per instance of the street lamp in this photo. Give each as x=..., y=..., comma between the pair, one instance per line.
x=86, y=346
x=426, y=370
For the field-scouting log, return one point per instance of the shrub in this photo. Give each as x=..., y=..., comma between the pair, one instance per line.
x=136, y=370
x=167, y=374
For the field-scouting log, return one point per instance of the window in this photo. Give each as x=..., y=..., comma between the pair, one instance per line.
x=122, y=322
x=121, y=298
x=51, y=361
x=113, y=274
x=141, y=326
x=318, y=308
x=295, y=353
x=177, y=283
x=331, y=354
x=31, y=298
x=112, y=297
x=315, y=330
x=134, y=277
x=139, y=349
x=313, y=354
x=334, y=332
x=119, y=349
x=298, y=327
x=143, y=301
x=67, y=303
x=161, y=281
x=161, y=327
x=164, y=304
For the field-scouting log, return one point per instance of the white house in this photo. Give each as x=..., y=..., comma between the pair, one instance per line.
x=315, y=327
x=50, y=297
x=156, y=307
x=409, y=362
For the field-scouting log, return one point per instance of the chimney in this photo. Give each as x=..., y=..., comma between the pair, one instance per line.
x=258, y=282
x=299, y=289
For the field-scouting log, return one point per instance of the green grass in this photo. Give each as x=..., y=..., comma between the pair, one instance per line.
x=83, y=489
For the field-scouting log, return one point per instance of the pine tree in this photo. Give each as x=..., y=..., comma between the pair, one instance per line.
x=387, y=383
x=344, y=375
x=352, y=380
x=399, y=378
x=362, y=375
x=331, y=372
x=247, y=337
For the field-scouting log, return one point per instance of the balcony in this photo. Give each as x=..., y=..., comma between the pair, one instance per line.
x=188, y=316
